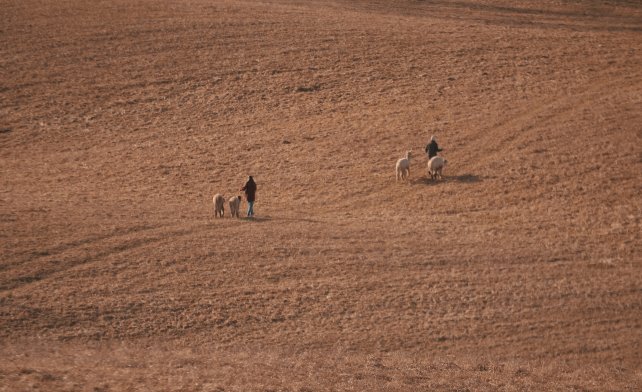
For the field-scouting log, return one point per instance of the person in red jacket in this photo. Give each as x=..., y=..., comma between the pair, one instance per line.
x=250, y=193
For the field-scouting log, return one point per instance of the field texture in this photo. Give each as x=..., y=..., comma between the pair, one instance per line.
x=520, y=270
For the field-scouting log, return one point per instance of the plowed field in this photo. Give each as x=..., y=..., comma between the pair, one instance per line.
x=520, y=270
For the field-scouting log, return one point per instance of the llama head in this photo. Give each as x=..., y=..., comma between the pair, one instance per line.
x=408, y=154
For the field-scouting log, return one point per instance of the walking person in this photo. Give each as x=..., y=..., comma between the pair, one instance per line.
x=250, y=193
x=432, y=148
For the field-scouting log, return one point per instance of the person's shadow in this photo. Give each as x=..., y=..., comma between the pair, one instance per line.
x=260, y=219
x=256, y=219
x=464, y=178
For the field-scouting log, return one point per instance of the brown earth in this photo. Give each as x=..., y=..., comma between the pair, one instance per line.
x=521, y=270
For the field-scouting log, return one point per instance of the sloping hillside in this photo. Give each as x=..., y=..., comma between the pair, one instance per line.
x=520, y=270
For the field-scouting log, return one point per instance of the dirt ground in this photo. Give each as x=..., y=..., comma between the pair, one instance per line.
x=520, y=270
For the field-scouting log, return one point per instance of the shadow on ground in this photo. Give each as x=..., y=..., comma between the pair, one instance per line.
x=259, y=219
x=466, y=179
x=256, y=219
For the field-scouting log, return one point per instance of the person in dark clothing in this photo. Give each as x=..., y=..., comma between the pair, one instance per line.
x=432, y=148
x=250, y=193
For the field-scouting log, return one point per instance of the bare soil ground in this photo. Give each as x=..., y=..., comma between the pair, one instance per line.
x=521, y=270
